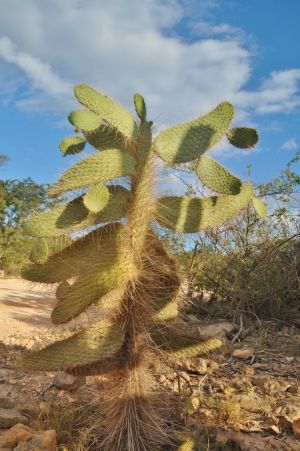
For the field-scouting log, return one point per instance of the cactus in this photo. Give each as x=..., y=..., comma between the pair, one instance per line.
x=104, y=252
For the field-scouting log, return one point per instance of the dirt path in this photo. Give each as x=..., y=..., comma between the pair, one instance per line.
x=24, y=310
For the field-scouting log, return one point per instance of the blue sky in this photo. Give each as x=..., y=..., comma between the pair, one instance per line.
x=185, y=56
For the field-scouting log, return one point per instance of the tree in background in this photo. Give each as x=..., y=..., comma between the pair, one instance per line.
x=18, y=199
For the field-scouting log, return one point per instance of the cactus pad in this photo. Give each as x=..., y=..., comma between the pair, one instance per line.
x=84, y=120
x=75, y=216
x=188, y=141
x=62, y=290
x=92, y=345
x=179, y=344
x=140, y=106
x=94, y=283
x=105, y=137
x=39, y=251
x=96, y=198
x=99, y=167
x=216, y=177
x=243, y=137
x=72, y=145
x=108, y=109
x=190, y=215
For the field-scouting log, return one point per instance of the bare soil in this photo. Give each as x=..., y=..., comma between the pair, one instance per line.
x=24, y=311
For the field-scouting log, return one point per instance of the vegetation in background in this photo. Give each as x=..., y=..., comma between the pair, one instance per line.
x=18, y=199
x=251, y=264
x=102, y=248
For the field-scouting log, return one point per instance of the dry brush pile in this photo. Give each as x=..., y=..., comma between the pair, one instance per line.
x=102, y=248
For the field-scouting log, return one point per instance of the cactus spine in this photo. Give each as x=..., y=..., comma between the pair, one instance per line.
x=118, y=263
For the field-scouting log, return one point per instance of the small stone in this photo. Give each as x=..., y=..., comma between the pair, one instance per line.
x=16, y=434
x=296, y=428
x=64, y=381
x=243, y=354
x=290, y=359
x=199, y=365
x=43, y=441
x=10, y=417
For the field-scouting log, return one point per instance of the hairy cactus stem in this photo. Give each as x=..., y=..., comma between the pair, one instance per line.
x=142, y=203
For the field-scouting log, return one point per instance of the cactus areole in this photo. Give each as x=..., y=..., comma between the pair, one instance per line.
x=101, y=248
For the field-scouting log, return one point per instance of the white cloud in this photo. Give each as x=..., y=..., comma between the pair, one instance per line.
x=279, y=93
x=290, y=144
x=123, y=47
x=40, y=74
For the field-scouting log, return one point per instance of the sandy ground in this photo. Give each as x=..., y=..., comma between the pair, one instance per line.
x=24, y=310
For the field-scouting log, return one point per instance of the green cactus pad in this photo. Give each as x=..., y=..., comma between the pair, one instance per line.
x=91, y=346
x=39, y=251
x=84, y=120
x=179, y=344
x=242, y=137
x=96, y=198
x=190, y=215
x=140, y=106
x=57, y=244
x=82, y=255
x=101, y=261
x=108, y=109
x=189, y=140
x=75, y=216
x=72, y=145
x=260, y=207
x=105, y=137
x=62, y=290
x=97, y=281
x=216, y=177
x=99, y=167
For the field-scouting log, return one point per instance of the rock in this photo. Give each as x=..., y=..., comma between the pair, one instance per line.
x=43, y=441
x=270, y=385
x=65, y=381
x=10, y=417
x=296, y=428
x=243, y=354
x=217, y=330
x=198, y=365
x=16, y=434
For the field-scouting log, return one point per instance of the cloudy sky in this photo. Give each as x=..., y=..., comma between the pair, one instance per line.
x=184, y=56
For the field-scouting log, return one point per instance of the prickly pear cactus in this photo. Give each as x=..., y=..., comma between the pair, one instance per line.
x=100, y=248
